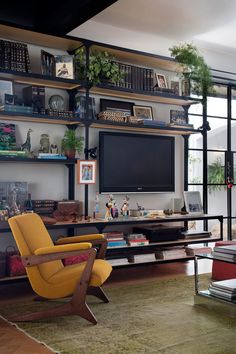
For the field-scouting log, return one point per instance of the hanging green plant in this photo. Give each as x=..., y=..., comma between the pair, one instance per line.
x=102, y=67
x=194, y=68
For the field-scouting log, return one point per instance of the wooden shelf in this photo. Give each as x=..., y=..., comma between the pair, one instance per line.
x=36, y=160
x=157, y=97
x=40, y=80
x=37, y=118
x=142, y=128
x=139, y=58
x=66, y=43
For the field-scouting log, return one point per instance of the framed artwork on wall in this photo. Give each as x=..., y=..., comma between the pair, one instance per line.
x=143, y=112
x=86, y=172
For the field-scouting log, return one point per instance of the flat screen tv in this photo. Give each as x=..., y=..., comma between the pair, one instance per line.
x=136, y=163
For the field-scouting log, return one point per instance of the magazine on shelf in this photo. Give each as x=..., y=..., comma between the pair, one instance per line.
x=226, y=249
x=228, y=284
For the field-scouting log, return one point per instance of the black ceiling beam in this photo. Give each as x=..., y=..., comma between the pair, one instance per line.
x=50, y=17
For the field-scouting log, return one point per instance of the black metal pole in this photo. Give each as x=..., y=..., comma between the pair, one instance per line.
x=229, y=163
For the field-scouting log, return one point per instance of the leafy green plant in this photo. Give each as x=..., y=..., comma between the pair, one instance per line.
x=194, y=68
x=101, y=67
x=216, y=175
x=70, y=142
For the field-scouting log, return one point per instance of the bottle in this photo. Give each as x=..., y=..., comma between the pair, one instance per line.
x=96, y=207
x=29, y=203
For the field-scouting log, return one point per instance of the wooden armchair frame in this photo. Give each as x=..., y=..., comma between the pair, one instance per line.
x=77, y=305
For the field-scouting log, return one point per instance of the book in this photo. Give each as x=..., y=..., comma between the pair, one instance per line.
x=231, y=249
x=196, y=234
x=229, y=284
x=224, y=256
x=222, y=294
x=196, y=249
x=141, y=242
x=116, y=243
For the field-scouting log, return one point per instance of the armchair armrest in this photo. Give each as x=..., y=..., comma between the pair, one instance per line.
x=48, y=254
x=94, y=239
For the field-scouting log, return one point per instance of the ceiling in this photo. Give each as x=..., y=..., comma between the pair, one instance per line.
x=50, y=16
x=210, y=22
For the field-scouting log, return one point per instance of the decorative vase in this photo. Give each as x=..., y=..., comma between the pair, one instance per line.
x=70, y=153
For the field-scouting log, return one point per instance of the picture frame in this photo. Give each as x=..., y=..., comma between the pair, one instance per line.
x=64, y=66
x=86, y=172
x=175, y=87
x=118, y=106
x=6, y=88
x=178, y=117
x=47, y=63
x=161, y=80
x=143, y=112
x=80, y=107
x=193, y=203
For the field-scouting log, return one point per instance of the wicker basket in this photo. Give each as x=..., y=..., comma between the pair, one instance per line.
x=113, y=116
x=134, y=120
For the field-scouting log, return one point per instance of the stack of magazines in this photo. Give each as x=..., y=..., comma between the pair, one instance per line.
x=224, y=289
x=226, y=253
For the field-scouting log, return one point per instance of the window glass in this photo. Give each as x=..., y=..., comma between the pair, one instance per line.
x=195, y=167
x=217, y=136
x=215, y=170
x=195, y=140
x=217, y=104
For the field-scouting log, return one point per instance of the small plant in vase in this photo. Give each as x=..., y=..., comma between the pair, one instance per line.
x=71, y=143
x=195, y=69
x=102, y=68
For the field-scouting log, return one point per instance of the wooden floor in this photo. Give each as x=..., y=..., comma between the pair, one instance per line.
x=14, y=341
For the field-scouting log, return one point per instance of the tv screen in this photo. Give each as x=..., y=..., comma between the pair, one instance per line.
x=136, y=163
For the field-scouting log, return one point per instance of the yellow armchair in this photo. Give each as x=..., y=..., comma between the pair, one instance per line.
x=47, y=274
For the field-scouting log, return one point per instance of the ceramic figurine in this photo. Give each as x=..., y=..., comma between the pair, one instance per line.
x=44, y=143
x=53, y=149
x=27, y=144
x=109, y=205
x=125, y=206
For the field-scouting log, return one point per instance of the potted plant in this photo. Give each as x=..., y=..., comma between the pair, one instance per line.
x=71, y=144
x=102, y=67
x=194, y=67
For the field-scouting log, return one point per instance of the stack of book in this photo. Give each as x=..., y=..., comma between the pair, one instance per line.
x=196, y=249
x=226, y=253
x=43, y=206
x=170, y=253
x=115, y=239
x=14, y=56
x=137, y=240
x=195, y=234
x=45, y=155
x=224, y=289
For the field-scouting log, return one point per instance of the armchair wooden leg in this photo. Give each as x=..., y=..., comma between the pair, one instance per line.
x=98, y=292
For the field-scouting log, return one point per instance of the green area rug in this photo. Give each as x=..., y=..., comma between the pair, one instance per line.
x=149, y=317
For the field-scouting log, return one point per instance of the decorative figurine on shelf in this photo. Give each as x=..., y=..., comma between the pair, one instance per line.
x=53, y=149
x=27, y=144
x=96, y=206
x=114, y=210
x=44, y=143
x=125, y=206
x=109, y=206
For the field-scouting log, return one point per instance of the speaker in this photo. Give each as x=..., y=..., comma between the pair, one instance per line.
x=177, y=205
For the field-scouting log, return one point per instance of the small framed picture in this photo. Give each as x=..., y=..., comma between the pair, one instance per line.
x=174, y=85
x=161, y=80
x=178, y=117
x=64, y=66
x=143, y=112
x=6, y=89
x=86, y=172
x=193, y=203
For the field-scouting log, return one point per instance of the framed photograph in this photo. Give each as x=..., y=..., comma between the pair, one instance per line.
x=47, y=63
x=86, y=171
x=193, y=203
x=80, y=106
x=161, y=80
x=178, y=117
x=121, y=106
x=174, y=85
x=6, y=88
x=143, y=112
x=64, y=66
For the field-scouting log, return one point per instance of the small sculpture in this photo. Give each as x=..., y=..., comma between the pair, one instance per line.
x=109, y=206
x=27, y=144
x=125, y=206
x=53, y=149
x=44, y=143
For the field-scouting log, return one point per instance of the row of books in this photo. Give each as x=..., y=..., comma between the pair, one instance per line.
x=135, y=77
x=118, y=239
x=14, y=56
x=181, y=251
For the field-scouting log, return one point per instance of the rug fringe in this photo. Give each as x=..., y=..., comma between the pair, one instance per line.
x=28, y=335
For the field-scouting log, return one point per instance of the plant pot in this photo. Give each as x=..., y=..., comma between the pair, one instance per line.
x=70, y=153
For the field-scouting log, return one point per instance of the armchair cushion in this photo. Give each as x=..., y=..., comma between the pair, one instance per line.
x=63, y=248
x=83, y=238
